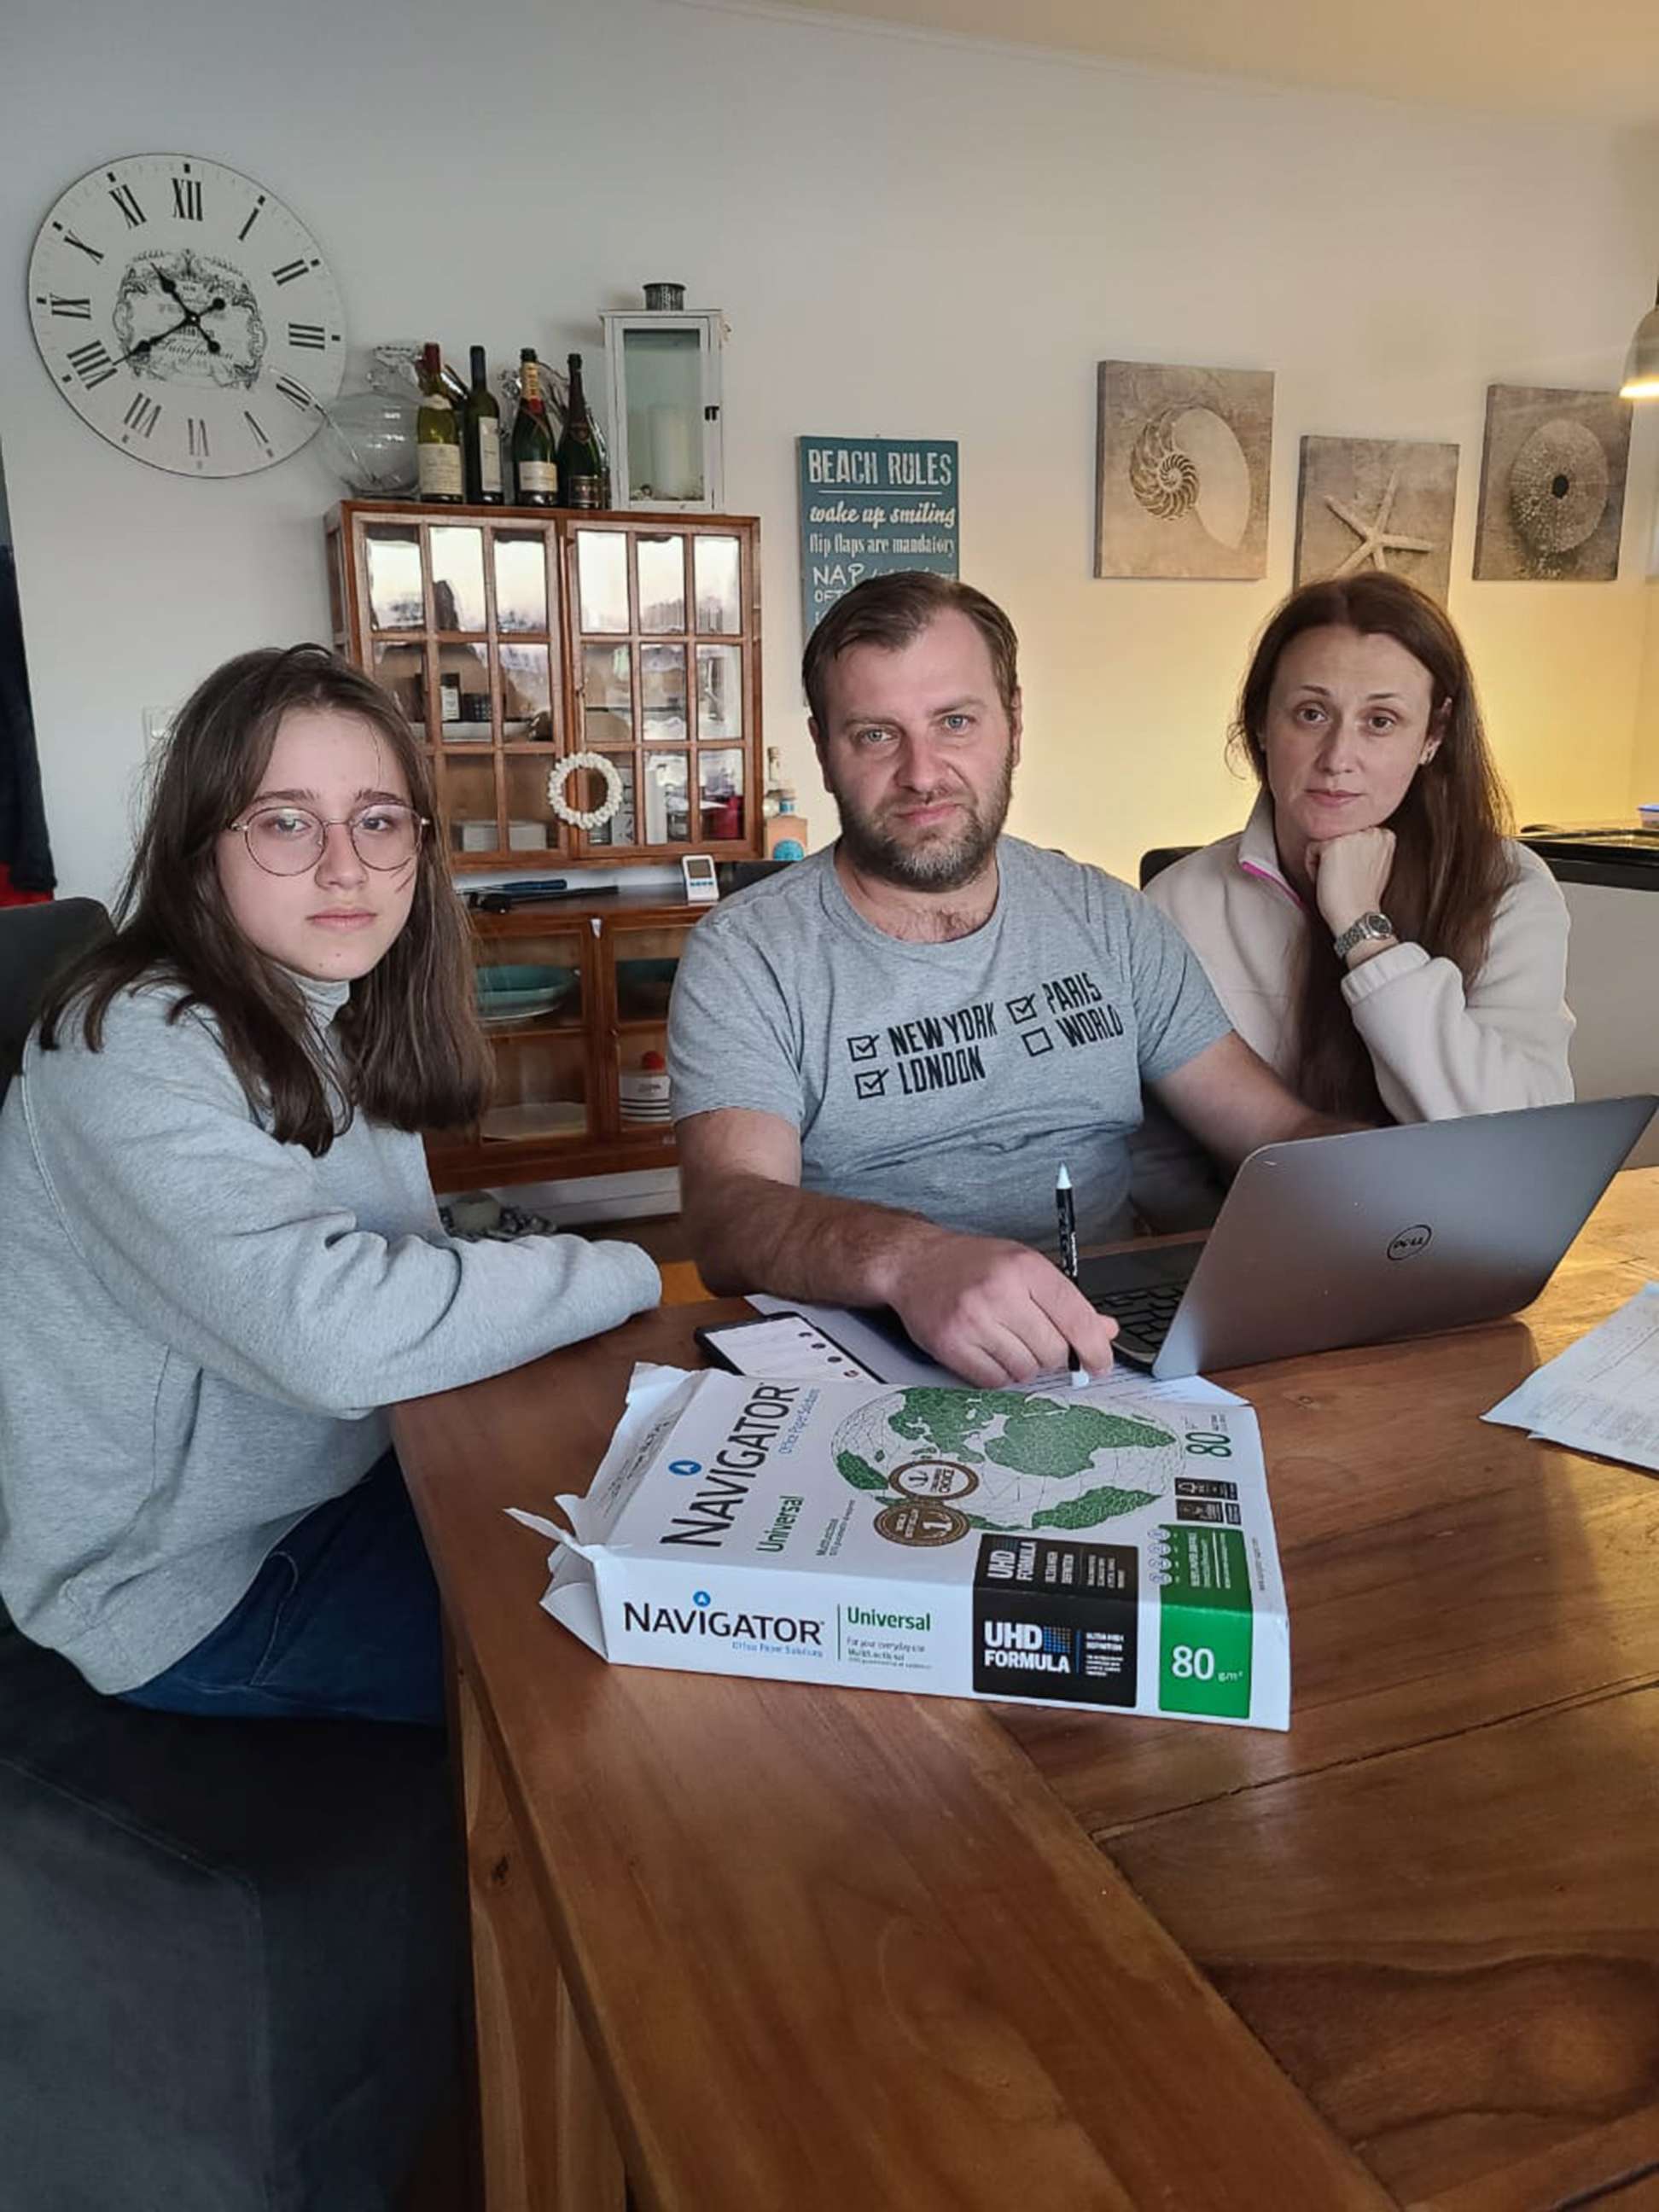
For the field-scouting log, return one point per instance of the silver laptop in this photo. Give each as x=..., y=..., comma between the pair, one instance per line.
x=1380, y=1233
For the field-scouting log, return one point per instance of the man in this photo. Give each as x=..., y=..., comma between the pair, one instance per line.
x=882, y=1055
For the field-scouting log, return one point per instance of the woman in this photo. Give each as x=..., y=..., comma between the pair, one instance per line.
x=223, y=1256
x=1371, y=932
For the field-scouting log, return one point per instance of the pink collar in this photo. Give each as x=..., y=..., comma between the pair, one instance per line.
x=1258, y=853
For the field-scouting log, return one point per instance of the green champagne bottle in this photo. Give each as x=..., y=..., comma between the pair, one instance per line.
x=534, y=467
x=481, y=435
x=438, y=436
x=584, y=469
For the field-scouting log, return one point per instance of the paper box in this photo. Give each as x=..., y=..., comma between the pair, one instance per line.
x=1068, y=1548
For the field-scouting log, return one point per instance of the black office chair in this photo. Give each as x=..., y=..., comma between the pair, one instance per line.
x=1161, y=857
x=36, y=942
x=230, y=1951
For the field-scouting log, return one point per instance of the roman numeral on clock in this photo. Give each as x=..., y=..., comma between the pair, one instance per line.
x=258, y=432
x=198, y=438
x=92, y=364
x=77, y=310
x=295, y=393
x=310, y=335
x=142, y=415
x=259, y=205
x=123, y=197
x=187, y=198
x=290, y=270
x=79, y=244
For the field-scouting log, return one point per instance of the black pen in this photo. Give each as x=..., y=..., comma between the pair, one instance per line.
x=1067, y=1215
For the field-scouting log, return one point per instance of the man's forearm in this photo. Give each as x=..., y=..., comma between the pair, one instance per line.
x=749, y=1232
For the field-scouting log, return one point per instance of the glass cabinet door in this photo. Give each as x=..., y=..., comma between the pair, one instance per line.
x=532, y=996
x=458, y=618
x=644, y=958
x=663, y=669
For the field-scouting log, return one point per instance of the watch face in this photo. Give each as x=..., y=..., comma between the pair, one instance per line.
x=186, y=315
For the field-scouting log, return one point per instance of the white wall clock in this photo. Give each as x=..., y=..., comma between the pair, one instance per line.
x=186, y=315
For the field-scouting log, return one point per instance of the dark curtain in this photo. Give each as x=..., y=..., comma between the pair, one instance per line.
x=25, y=848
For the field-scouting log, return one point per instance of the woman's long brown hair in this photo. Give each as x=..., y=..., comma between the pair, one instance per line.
x=1451, y=867
x=414, y=1055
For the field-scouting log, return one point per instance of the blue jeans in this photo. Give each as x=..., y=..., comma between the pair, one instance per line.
x=342, y=1619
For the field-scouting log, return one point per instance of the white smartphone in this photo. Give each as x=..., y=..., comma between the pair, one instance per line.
x=782, y=1348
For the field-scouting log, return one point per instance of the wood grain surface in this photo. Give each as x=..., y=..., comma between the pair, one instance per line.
x=849, y=1948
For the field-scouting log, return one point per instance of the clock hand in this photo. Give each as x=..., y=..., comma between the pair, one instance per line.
x=145, y=345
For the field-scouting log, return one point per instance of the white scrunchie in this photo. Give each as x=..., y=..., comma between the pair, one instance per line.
x=585, y=818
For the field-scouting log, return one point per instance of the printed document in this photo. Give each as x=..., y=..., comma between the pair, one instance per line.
x=1602, y=1395
x=897, y=1360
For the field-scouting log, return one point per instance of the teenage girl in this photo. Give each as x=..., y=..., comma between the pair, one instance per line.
x=223, y=1256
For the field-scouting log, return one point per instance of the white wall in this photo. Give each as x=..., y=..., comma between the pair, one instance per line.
x=911, y=237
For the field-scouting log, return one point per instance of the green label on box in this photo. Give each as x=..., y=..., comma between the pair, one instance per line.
x=1204, y=1614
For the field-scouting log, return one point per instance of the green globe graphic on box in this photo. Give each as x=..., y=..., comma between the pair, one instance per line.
x=1007, y=1459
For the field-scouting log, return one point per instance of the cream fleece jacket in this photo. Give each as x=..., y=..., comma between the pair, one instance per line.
x=1439, y=1048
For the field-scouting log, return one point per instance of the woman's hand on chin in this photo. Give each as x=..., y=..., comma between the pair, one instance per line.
x=1350, y=875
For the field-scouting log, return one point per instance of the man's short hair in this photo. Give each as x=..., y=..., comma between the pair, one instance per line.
x=892, y=612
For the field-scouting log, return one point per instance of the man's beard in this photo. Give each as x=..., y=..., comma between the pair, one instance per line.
x=940, y=860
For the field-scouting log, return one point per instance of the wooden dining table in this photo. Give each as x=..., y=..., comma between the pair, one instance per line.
x=761, y=1947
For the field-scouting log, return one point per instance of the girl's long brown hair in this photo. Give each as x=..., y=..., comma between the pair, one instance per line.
x=1451, y=867
x=414, y=1055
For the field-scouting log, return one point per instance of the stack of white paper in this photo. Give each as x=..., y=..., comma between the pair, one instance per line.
x=1087, y=1548
x=1602, y=1394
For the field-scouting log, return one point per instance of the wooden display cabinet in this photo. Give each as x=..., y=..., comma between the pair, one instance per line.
x=559, y=1108
x=514, y=637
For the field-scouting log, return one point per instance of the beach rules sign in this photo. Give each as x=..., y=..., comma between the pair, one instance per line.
x=870, y=506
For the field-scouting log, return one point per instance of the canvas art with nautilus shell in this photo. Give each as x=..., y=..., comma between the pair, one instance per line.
x=1184, y=459
x=1376, y=503
x=1552, y=485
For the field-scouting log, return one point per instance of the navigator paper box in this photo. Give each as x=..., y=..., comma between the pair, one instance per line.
x=1071, y=1547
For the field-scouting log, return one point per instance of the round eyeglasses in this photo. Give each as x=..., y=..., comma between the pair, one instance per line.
x=286, y=841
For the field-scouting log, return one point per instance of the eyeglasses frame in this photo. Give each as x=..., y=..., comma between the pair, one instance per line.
x=346, y=822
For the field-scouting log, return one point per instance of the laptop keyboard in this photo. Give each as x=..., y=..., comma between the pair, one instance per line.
x=1142, y=1311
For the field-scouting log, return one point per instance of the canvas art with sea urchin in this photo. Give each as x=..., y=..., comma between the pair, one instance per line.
x=1552, y=485
x=1184, y=459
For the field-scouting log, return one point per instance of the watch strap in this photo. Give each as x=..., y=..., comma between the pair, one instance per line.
x=1356, y=932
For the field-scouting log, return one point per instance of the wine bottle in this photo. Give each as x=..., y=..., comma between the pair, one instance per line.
x=534, y=466
x=481, y=430
x=584, y=469
x=438, y=435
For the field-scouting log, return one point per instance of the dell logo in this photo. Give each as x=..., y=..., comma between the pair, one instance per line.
x=1410, y=1242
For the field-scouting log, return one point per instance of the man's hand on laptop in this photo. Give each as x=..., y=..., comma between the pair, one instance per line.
x=995, y=1312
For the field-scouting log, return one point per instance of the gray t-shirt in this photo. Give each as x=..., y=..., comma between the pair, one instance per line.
x=949, y=1079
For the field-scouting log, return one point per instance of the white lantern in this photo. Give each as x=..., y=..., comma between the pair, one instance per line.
x=666, y=431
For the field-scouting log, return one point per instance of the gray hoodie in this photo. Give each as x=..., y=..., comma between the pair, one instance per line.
x=199, y=1327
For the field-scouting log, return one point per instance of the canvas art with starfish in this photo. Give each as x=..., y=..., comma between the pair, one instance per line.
x=1182, y=469
x=1552, y=485
x=1385, y=503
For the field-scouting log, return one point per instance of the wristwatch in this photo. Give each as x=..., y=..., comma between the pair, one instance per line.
x=1368, y=925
